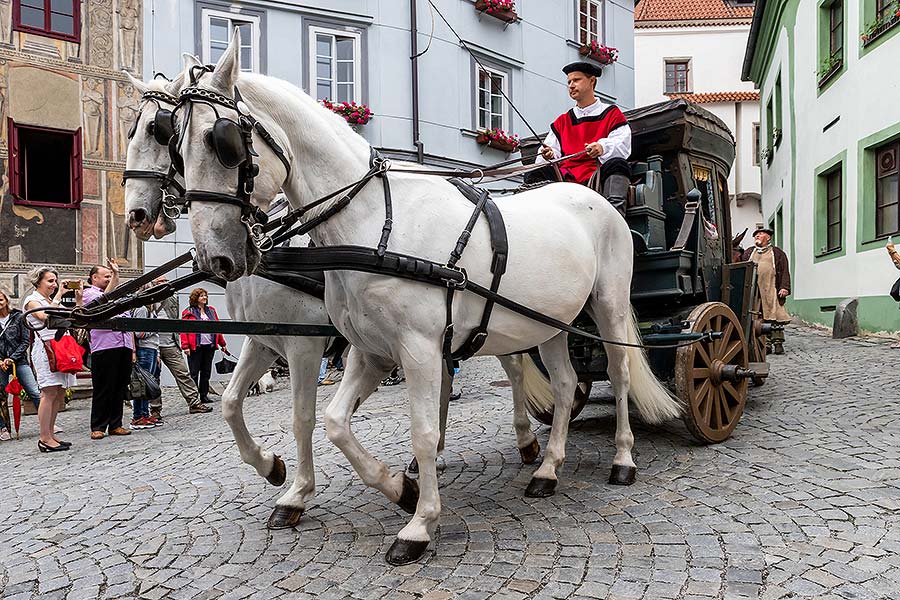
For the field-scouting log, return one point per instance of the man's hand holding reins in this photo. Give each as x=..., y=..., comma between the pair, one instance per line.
x=594, y=150
x=547, y=153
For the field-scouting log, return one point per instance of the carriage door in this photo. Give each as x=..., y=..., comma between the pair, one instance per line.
x=709, y=242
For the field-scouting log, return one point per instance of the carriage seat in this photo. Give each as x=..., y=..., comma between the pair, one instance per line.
x=645, y=214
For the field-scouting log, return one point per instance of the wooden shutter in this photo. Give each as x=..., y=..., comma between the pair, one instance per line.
x=76, y=168
x=15, y=168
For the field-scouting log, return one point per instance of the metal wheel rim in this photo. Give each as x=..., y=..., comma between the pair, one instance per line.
x=713, y=406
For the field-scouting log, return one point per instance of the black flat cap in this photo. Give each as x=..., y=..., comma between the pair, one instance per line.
x=764, y=230
x=585, y=67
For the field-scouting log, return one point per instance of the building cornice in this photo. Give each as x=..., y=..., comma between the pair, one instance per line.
x=11, y=54
x=691, y=23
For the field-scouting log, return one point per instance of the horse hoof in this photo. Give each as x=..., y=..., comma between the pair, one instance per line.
x=409, y=498
x=284, y=517
x=622, y=475
x=413, y=466
x=403, y=552
x=530, y=452
x=278, y=473
x=540, y=488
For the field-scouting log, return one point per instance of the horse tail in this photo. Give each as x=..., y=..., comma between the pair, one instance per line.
x=653, y=401
x=536, y=387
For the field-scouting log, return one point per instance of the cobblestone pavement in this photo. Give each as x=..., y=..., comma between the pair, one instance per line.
x=801, y=502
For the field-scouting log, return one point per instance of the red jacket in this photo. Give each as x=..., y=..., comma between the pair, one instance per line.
x=573, y=133
x=190, y=341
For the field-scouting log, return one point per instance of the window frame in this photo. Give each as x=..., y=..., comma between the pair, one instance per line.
x=601, y=21
x=206, y=13
x=756, y=142
x=504, y=114
x=76, y=191
x=75, y=37
x=834, y=218
x=313, y=31
x=894, y=146
x=688, y=64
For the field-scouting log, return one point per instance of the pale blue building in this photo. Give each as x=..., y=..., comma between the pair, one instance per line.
x=360, y=50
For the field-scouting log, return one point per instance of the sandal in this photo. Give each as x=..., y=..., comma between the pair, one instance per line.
x=895, y=345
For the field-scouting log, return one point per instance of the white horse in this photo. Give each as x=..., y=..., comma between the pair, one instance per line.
x=568, y=250
x=258, y=299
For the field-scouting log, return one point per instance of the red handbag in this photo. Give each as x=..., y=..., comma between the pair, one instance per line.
x=64, y=354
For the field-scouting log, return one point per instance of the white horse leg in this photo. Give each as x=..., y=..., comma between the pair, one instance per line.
x=425, y=378
x=446, y=387
x=623, y=470
x=255, y=359
x=526, y=441
x=362, y=374
x=304, y=357
x=555, y=355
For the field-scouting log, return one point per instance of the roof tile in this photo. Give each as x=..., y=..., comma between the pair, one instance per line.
x=712, y=97
x=659, y=11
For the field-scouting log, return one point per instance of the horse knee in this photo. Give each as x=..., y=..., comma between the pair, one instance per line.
x=232, y=406
x=337, y=429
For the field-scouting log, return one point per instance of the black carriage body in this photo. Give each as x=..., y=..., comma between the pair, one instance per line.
x=680, y=220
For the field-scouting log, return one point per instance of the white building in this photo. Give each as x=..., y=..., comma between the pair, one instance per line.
x=694, y=50
x=827, y=71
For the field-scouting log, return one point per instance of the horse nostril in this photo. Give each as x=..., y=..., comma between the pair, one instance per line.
x=222, y=266
x=138, y=215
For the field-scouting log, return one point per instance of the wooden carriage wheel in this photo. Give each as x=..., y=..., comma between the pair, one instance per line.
x=582, y=393
x=757, y=342
x=708, y=374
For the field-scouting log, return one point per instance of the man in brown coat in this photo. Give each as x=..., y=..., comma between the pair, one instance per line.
x=773, y=278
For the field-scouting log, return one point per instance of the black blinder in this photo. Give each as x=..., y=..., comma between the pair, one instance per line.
x=175, y=156
x=228, y=143
x=162, y=127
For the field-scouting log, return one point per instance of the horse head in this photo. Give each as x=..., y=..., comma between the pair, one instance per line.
x=148, y=177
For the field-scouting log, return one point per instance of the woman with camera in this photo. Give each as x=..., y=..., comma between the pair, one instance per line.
x=14, y=341
x=201, y=347
x=53, y=384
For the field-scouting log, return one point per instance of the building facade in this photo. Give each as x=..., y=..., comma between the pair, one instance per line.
x=694, y=50
x=65, y=109
x=359, y=50
x=827, y=75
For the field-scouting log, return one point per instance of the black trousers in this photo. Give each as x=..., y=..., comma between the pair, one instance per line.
x=200, y=365
x=614, y=166
x=110, y=374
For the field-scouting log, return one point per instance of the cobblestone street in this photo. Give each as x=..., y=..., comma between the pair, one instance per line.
x=801, y=502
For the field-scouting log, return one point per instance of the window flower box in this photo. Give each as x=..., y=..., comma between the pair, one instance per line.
x=498, y=139
x=605, y=55
x=353, y=113
x=505, y=10
x=881, y=25
x=830, y=66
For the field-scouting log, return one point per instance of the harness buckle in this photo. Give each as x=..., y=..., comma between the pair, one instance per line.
x=454, y=284
x=261, y=240
x=381, y=164
x=170, y=205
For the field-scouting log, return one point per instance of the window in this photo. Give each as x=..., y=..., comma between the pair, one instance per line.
x=887, y=184
x=776, y=123
x=833, y=209
x=883, y=9
x=756, y=148
x=44, y=166
x=836, y=28
x=335, y=65
x=491, y=108
x=218, y=28
x=590, y=21
x=770, y=129
x=53, y=18
x=677, y=76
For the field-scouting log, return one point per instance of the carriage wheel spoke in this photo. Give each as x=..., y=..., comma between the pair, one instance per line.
x=701, y=373
x=731, y=352
x=704, y=356
x=725, y=339
x=731, y=391
x=703, y=404
x=723, y=401
x=716, y=409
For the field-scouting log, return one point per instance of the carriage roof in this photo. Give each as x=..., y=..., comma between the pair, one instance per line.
x=680, y=126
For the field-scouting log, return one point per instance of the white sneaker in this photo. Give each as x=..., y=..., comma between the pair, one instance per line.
x=4, y=434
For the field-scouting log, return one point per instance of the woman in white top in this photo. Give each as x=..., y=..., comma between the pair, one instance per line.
x=53, y=384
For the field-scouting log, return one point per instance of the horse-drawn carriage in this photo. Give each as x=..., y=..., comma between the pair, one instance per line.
x=684, y=283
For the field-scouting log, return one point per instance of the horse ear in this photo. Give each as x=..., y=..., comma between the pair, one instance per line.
x=137, y=83
x=229, y=66
x=174, y=86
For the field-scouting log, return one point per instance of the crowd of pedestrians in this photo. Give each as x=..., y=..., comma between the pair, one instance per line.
x=27, y=355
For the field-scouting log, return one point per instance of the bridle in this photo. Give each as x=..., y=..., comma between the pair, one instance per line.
x=162, y=128
x=232, y=144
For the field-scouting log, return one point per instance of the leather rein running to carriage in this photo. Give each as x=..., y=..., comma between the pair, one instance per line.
x=344, y=257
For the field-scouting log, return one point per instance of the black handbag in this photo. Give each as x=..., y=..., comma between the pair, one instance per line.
x=225, y=366
x=895, y=291
x=143, y=385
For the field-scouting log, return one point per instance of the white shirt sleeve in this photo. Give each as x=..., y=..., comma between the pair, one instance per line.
x=617, y=144
x=553, y=143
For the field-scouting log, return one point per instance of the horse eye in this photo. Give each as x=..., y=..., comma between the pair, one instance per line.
x=208, y=138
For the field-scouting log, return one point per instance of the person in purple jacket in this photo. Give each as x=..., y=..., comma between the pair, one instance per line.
x=112, y=353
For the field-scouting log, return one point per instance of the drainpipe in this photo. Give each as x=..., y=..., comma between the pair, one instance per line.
x=414, y=51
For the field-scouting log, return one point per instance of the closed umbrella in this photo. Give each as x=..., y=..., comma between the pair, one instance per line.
x=15, y=388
